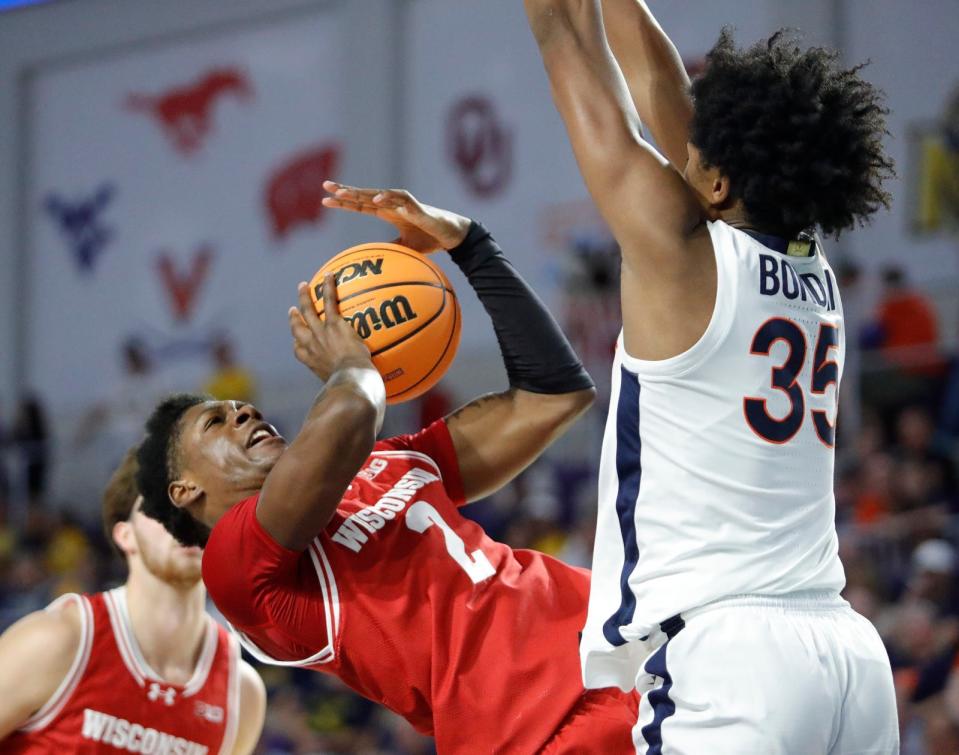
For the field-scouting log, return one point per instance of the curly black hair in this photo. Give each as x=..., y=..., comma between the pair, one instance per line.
x=798, y=136
x=159, y=464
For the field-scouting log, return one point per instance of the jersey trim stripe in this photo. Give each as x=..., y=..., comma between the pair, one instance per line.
x=205, y=663
x=52, y=707
x=659, y=700
x=411, y=455
x=331, y=605
x=233, y=697
x=629, y=473
x=116, y=602
x=116, y=622
x=334, y=593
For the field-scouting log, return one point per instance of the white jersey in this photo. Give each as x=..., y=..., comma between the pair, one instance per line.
x=716, y=477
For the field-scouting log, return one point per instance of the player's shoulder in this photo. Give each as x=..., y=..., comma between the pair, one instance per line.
x=46, y=640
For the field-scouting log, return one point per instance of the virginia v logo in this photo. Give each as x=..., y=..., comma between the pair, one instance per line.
x=391, y=312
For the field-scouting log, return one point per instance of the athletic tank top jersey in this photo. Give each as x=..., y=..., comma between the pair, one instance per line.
x=111, y=701
x=413, y=606
x=716, y=475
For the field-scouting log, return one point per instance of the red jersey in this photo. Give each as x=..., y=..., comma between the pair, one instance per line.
x=111, y=701
x=414, y=607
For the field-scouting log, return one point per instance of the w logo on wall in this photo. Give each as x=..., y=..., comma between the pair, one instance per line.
x=294, y=191
x=480, y=145
x=82, y=224
x=186, y=113
x=183, y=286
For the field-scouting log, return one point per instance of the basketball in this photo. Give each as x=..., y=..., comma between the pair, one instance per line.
x=403, y=307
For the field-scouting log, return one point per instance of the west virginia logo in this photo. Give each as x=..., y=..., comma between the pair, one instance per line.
x=391, y=312
x=80, y=221
x=186, y=113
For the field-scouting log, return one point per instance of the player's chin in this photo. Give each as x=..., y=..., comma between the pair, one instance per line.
x=267, y=452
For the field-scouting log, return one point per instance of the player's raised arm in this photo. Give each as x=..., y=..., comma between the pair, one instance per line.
x=496, y=436
x=305, y=486
x=655, y=75
x=649, y=207
x=36, y=654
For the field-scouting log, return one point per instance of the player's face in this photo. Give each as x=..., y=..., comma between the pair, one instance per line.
x=160, y=553
x=227, y=445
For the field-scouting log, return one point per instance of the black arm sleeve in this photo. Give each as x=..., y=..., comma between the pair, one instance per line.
x=537, y=356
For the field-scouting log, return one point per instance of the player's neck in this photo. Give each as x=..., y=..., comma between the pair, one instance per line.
x=169, y=623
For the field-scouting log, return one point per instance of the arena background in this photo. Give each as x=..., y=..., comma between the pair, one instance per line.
x=159, y=186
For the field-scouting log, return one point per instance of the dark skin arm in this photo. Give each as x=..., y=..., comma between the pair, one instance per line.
x=498, y=435
x=305, y=486
x=657, y=218
x=654, y=73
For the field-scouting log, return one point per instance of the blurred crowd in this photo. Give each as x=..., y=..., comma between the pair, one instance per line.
x=897, y=499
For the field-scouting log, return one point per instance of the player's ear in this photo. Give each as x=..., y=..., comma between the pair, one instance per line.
x=719, y=189
x=122, y=534
x=184, y=493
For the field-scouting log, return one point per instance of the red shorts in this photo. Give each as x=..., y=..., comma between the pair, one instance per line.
x=602, y=721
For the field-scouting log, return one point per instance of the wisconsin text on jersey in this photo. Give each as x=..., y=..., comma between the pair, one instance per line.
x=373, y=518
x=131, y=736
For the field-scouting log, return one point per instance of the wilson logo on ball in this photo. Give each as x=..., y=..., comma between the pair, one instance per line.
x=392, y=312
x=404, y=309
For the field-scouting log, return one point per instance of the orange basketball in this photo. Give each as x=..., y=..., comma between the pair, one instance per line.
x=403, y=307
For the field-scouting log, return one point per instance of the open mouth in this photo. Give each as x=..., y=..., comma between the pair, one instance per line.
x=262, y=432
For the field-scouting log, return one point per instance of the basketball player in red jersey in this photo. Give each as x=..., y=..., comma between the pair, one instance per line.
x=141, y=668
x=348, y=556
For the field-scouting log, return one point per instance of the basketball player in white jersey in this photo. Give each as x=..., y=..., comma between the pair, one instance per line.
x=141, y=668
x=716, y=578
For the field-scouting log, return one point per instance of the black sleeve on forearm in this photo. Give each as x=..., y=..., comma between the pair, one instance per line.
x=537, y=356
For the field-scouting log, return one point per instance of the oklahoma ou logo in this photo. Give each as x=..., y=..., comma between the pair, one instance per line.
x=182, y=287
x=185, y=113
x=81, y=222
x=480, y=145
x=294, y=191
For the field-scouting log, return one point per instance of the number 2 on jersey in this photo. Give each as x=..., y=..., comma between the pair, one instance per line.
x=421, y=516
x=825, y=372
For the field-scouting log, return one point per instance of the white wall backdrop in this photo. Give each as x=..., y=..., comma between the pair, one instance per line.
x=447, y=97
x=196, y=231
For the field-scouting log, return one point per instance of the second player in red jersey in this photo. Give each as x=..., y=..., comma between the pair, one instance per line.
x=353, y=558
x=140, y=668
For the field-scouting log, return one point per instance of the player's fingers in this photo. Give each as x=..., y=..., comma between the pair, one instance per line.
x=394, y=198
x=331, y=303
x=349, y=206
x=344, y=191
x=298, y=326
x=306, y=307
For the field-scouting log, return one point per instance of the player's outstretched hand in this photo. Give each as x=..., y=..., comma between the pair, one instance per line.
x=421, y=227
x=329, y=344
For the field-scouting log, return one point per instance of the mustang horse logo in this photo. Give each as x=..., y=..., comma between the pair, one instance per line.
x=185, y=113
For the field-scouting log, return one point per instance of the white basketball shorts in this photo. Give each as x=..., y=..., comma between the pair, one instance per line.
x=795, y=675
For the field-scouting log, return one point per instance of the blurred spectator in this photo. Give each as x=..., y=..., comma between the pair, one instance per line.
x=904, y=333
x=30, y=441
x=230, y=381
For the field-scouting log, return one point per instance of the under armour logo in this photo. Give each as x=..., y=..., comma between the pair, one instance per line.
x=156, y=692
